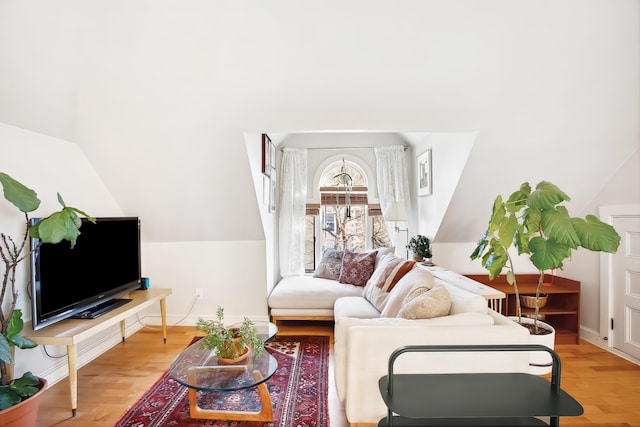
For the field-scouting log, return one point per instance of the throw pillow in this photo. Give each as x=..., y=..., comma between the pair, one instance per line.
x=413, y=279
x=330, y=265
x=373, y=289
x=382, y=252
x=357, y=267
x=425, y=303
x=383, y=270
x=396, y=274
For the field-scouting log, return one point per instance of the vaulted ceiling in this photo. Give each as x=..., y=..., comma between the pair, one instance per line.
x=159, y=95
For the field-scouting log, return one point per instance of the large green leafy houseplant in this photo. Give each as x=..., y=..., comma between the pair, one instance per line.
x=537, y=223
x=60, y=225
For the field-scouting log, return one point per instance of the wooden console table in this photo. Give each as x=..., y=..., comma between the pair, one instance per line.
x=70, y=332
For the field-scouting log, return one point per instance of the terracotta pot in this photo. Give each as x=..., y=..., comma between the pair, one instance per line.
x=25, y=413
x=243, y=356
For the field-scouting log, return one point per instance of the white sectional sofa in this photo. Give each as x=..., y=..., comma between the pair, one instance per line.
x=307, y=298
x=372, y=321
x=364, y=341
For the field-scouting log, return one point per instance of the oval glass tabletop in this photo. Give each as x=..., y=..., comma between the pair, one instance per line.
x=200, y=369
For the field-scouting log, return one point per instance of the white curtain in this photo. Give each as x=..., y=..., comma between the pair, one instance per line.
x=293, y=199
x=393, y=182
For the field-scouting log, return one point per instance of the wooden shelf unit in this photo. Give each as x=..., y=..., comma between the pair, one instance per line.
x=562, y=310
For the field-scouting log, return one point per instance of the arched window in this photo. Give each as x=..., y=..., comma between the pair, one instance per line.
x=344, y=219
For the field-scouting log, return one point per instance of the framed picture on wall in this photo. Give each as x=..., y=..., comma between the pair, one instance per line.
x=266, y=190
x=272, y=192
x=424, y=173
x=268, y=153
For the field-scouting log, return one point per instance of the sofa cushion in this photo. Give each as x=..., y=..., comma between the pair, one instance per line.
x=357, y=267
x=425, y=303
x=330, y=265
x=414, y=278
x=357, y=307
x=373, y=289
x=396, y=274
x=306, y=292
x=463, y=301
x=382, y=252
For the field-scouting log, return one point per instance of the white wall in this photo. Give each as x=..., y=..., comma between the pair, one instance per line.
x=227, y=271
x=160, y=97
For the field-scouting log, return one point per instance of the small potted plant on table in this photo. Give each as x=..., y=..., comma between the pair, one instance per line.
x=232, y=345
x=23, y=394
x=420, y=247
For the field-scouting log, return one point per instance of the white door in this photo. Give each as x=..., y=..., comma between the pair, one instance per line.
x=625, y=286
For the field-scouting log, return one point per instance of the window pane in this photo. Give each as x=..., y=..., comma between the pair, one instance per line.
x=379, y=236
x=309, y=243
x=340, y=231
x=329, y=179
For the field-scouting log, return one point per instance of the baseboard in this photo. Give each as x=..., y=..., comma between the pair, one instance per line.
x=592, y=337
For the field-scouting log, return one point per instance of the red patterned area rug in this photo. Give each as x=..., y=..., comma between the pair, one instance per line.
x=298, y=391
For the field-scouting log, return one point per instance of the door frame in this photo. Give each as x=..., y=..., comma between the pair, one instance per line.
x=608, y=214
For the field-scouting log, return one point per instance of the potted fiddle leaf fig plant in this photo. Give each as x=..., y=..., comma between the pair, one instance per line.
x=538, y=223
x=232, y=344
x=420, y=247
x=61, y=225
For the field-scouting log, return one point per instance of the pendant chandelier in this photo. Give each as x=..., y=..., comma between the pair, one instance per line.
x=344, y=184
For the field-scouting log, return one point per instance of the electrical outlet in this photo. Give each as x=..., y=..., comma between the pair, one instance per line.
x=199, y=293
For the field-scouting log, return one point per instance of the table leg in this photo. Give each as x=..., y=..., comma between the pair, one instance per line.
x=163, y=316
x=122, y=329
x=264, y=415
x=73, y=376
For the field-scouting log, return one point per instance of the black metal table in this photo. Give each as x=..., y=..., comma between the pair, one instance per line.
x=474, y=399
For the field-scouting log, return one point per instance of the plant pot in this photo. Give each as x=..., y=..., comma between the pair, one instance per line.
x=540, y=363
x=238, y=359
x=417, y=258
x=25, y=413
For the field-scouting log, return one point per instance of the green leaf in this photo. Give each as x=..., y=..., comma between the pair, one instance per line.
x=546, y=195
x=531, y=221
x=19, y=195
x=60, y=200
x=507, y=230
x=8, y=398
x=480, y=246
x=22, y=342
x=495, y=259
x=497, y=215
x=15, y=324
x=596, y=235
x=522, y=242
x=548, y=254
x=53, y=228
x=557, y=225
x=5, y=350
x=518, y=199
x=62, y=225
x=26, y=385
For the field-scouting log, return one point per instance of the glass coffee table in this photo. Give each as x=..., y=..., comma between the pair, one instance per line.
x=200, y=370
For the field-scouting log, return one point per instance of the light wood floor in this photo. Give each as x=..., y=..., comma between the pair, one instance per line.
x=607, y=386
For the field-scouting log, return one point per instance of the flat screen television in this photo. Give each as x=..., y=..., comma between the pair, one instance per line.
x=85, y=281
